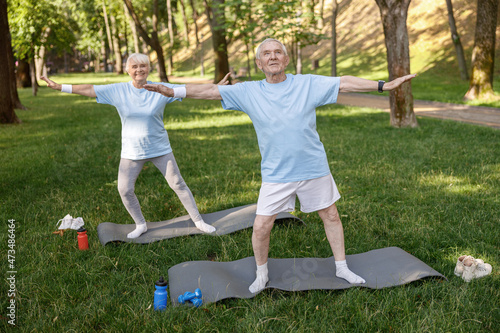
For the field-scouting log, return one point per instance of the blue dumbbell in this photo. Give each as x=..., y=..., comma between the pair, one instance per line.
x=189, y=296
x=197, y=302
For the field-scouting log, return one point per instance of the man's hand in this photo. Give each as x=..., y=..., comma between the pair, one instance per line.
x=397, y=82
x=51, y=84
x=355, y=84
x=159, y=88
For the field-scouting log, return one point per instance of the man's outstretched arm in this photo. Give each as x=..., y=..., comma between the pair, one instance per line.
x=356, y=84
x=196, y=91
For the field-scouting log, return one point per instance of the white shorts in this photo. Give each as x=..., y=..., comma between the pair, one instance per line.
x=314, y=194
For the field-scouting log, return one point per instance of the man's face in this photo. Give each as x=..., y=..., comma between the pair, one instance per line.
x=272, y=58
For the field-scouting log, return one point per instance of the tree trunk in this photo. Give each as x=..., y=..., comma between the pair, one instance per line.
x=483, y=54
x=116, y=46
x=34, y=83
x=7, y=114
x=108, y=30
x=171, y=35
x=321, y=20
x=248, y=61
x=104, y=55
x=23, y=76
x=195, y=18
x=335, y=11
x=456, y=41
x=394, y=14
x=202, y=58
x=217, y=21
x=184, y=19
x=299, y=59
x=40, y=54
x=11, y=67
x=199, y=46
x=153, y=40
x=137, y=49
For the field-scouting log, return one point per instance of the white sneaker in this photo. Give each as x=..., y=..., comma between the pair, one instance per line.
x=459, y=268
x=475, y=269
x=482, y=269
x=65, y=222
x=468, y=273
x=77, y=223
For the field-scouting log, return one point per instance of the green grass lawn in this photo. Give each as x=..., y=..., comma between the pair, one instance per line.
x=433, y=191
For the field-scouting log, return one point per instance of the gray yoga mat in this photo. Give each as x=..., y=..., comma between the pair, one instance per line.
x=382, y=268
x=225, y=221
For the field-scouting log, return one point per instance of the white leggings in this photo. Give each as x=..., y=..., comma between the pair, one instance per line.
x=129, y=171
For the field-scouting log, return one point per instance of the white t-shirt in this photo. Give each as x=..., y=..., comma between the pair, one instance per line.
x=141, y=112
x=284, y=118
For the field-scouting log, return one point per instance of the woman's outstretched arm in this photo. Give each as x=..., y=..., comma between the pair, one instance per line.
x=80, y=89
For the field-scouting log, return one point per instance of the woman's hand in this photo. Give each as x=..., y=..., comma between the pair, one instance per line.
x=51, y=84
x=225, y=80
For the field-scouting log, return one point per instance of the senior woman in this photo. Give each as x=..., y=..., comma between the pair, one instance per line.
x=144, y=138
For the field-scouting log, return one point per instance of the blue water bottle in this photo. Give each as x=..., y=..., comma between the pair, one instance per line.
x=160, y=299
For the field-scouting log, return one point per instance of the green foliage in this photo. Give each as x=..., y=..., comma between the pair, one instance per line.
x=29, y=19
x=433, y=191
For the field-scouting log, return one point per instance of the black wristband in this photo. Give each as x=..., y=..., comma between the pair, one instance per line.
x=381, y=86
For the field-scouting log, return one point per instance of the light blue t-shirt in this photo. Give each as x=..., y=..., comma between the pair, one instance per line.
x=141, y=112
x=284, y=118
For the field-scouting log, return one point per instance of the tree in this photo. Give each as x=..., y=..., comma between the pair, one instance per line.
x=199, y=44
x=336, y=7
x=335, y=11
x=394, y=14
x=456, y=41
x=132, y=29
x=7, y=114
x=116, y=44
x=36, y=24
x=242, y=25
x=483, y=54
x=321, y=19
x=216, y=18
x=170, y=22
x=108, y=29
x=185, y=21
x=152, y=41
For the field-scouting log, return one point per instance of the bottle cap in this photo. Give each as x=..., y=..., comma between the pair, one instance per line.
x=82, y=229
x=161, y=282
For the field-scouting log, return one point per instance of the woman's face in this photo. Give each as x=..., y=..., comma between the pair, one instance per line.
x=138, y=72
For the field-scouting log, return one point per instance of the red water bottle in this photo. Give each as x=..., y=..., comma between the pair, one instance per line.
x=83, y=241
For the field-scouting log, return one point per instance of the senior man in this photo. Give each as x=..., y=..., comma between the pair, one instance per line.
x=294, y=164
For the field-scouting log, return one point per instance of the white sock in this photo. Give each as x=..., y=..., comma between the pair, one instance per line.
x=343, y=272
x=260, y=280
x=139, y=230
x=204, y=227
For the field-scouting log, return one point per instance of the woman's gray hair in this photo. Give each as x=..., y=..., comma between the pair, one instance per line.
x=138, y=58
x=257, y=52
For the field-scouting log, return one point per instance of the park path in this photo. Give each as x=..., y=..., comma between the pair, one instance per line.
x=478, y=115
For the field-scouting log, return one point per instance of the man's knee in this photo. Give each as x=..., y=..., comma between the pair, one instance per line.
x=262, y=225
x=330, y=215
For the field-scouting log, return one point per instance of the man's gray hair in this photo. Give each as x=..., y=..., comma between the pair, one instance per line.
x=138, y=58
x=257, y=52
